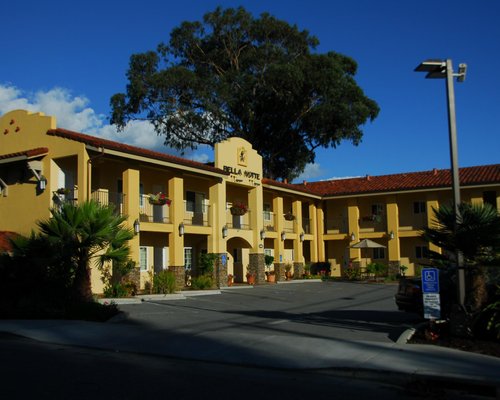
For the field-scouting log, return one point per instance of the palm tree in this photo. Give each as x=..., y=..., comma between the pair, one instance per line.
x=476, y=235
x=88, y=232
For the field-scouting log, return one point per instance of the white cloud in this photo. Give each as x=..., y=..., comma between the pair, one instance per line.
x=311, y=171
x=73, y=113
x=200, y=157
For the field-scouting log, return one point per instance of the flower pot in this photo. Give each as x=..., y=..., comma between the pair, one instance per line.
x=289, y=217
x=230, y=280
x=237, y=211
x=288, y=275
x=250, y=279
x=271, y=278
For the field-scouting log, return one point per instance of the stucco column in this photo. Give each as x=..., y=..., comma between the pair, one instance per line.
x=314, y=232
x=175, y=240
x=256, y=205
x=320, y=216
x=131, y=180
x=298, y=251
x=353, y=221
x=217, y=197
x=394, y=254
x=279, y=245
x=84, y=169
x=432, y=203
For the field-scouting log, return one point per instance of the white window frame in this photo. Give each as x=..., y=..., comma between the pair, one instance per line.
x=143, y=251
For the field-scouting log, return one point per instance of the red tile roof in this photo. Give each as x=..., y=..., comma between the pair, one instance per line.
x=27, y=153
x=469, y=176
x=291, y=186
x=125, y=148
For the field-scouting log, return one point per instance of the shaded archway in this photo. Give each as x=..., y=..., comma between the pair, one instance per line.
x=238, y=258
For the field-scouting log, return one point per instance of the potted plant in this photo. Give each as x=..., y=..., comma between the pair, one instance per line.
x=270, y=275
x=62, y=190
x=250, y=276
x=230, y=280
x=289, y=216
x=288, y=272
x=159, y=199
x=238, y=208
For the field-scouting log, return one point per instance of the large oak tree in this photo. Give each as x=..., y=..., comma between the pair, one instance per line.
x=256, y=78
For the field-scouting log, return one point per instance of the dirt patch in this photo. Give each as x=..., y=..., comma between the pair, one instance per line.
x=438, y=334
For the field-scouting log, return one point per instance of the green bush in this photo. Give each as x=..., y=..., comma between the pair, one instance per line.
x=120, y=289
x=352, y=273
x=378, y=269
x=207, y=262
x=201, y=282
x=164, y=282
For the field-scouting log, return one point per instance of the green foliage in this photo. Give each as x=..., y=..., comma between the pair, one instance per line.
x=47, y=275
x=352, y=273
x=477, y=233
x=260, y=79
x=207, y=262
x=378, y=269
x=164, y=282
x=268, y=260
x=201, y=282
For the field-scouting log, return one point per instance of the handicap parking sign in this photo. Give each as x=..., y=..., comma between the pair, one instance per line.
x=430, y=280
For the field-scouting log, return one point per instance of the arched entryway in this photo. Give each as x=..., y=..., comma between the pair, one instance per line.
x=238, y=250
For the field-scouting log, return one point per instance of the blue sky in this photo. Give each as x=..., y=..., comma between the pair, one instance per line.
x=67, y=58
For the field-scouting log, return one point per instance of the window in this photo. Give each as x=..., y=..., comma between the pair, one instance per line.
x=190, y=199
x=195, y=202
x=419, y=207
x=188, y=257
x=143, y=258
x=421, y=251
x=378, y=253
x=267, y=212
x=377, y=209
x=490, y=197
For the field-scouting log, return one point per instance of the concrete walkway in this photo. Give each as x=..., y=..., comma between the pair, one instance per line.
x=394, y=362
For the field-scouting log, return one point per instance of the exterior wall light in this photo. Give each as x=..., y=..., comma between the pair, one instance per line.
x=42, y=183
x=301, y=236
x=262, y=234
x=137, y=227
x=224, y=231
x=283, y=236
x=353, y=237
x=181, y=229
x=391, y=235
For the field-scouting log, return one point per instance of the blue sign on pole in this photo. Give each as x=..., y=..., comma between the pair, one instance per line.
x=223, y=259
x=430, y=280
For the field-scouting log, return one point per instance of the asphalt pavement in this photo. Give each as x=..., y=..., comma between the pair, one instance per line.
x=274, y=343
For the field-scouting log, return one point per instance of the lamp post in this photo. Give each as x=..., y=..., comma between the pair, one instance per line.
x=437, y=69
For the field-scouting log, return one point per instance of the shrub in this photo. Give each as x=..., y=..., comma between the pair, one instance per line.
x=268, y=260
x=378, y=269
x=201, y=282
x=164, y=282
x=317, y=267
x=352, y=273
x=207, y=262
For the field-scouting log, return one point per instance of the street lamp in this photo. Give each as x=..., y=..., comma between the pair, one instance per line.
x=444, y=69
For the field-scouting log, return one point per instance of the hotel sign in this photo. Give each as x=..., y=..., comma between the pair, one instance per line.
x=240, y=175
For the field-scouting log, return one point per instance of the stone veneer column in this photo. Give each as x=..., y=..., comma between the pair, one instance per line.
x=298, y=270
x=257, y=266
x=220, y=271
x=180, y=276
x=279, y=270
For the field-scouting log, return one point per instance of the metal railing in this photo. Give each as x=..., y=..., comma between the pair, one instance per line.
x=198, y=217
x=105, y=197
x=269, y=221
x=153, y=213
x=336, y=225
x=238, y=221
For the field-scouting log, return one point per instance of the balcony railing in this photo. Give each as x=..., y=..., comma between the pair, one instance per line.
x=336, y=225
x=198, y=217
x=306, y=225
x=105, y=197
x=375, y=223
x=416, y=222
x=238, y=221
x=153, y=213
x=288, y=226
x=269, y=221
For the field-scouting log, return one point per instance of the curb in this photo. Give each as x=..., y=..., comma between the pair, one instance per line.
x=299, y=281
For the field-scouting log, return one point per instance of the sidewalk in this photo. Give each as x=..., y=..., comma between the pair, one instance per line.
x=394, y=363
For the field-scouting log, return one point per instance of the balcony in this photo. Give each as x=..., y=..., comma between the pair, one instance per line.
x=414, y=223
x=373, y=223
x=269, y=221
x=198, y=216
x=104, y=197
x=153, y=213
x=336, y=225
x=306, y=225
x=238, y=221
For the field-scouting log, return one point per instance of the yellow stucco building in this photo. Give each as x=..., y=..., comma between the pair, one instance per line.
x=227, y=208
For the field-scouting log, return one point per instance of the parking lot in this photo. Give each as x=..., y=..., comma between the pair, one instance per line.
x=323, y=310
